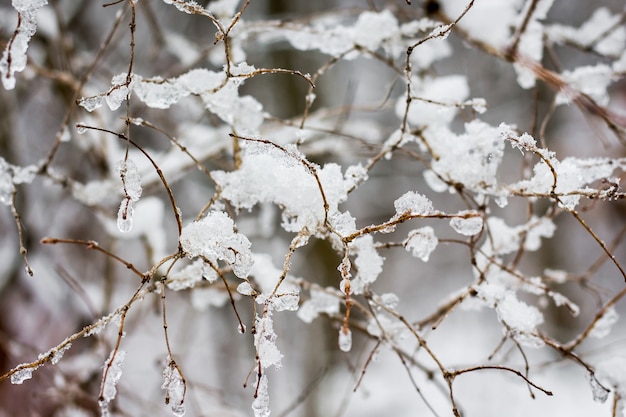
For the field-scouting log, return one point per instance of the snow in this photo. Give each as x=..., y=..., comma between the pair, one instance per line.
x=266, y=275
x=471, y=158
x=368, y=262
x=421, y=242
x=521, y=318
x=265, y=342
x=413, y=204
x=603, y=326
x=591, y=30
x=611, y=371
x=321, y=302
x=590, y=80
x=435, y=101
x=213, y=237
x=261, y=404
x=289, y=184
x=370, y=31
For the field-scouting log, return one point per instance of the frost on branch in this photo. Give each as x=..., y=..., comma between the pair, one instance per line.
x=14, y=56
x=213, y=238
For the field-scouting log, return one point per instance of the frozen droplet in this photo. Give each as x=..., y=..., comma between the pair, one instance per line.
x=22, y=375
x=345, y=339
x=80, y=129
x=600, y=394
x=125, y=215
x=241, y=328
x=469, y=226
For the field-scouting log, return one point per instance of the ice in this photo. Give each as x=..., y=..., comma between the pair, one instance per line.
x=600, y=393
x=174, y=387
x=469, y=226
x=14, y=57
x=604, y=325
x=414, y=204
x=245, y=289
x=131, y=180
x=345, y=340
x=612, y=372
x=261, y=404
x=91, y=103
x=55, y=355
x=421, y=242
x=11, y=175
x=241, y=328
x=22, y=375
x=125, y=215
x=111, y=376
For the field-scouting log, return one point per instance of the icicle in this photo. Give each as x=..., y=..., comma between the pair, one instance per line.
x=345, y=340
